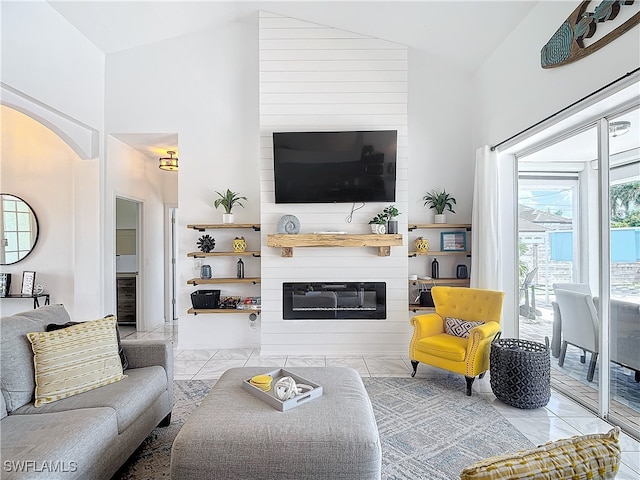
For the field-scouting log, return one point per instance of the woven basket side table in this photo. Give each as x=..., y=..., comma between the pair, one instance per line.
x=520, y=372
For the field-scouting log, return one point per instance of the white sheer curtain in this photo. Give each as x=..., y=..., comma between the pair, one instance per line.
x=492, y=208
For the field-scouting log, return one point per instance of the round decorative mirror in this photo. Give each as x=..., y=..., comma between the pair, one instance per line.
x=18, y=229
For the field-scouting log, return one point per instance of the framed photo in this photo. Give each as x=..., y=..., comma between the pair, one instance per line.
x=28, y=283
x=453, y=241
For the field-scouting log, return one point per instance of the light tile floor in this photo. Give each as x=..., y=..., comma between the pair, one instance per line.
x=561, y=417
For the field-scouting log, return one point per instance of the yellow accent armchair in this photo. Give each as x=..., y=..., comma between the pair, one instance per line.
x=431, y=344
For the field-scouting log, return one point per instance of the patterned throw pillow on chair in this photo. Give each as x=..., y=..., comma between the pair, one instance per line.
x=459, y=328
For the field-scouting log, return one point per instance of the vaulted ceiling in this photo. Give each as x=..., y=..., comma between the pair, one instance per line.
x=463, y=33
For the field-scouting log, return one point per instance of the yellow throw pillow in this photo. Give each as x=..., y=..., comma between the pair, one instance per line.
x=592, y=457
x=75, y=359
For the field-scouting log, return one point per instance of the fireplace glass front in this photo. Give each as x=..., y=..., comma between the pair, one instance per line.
x=334, y=300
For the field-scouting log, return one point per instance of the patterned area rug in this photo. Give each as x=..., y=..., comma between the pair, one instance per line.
x=428, y=429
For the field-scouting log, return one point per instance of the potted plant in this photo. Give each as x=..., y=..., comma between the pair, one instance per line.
x=379, y=223
x=391, y=212
x=228, y=200
x=441, y=201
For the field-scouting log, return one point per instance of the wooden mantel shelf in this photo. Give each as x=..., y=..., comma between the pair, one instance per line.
x=287, y=242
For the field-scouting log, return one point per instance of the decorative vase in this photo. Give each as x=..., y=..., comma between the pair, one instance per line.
x=239, y=244
x=441, y=218
x=421, y=244
x=378, y=228
x=227, y=218
x=205, y=272
x=392, y=226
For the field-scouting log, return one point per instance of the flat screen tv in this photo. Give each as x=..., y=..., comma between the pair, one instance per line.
x=335, y=167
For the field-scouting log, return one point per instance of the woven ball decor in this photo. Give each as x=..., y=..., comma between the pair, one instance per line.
x=520, y=372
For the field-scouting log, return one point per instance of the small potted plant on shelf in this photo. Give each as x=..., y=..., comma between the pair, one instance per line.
x=441, y=201
x=391, y=212
x=228, y=200
x=379, y=223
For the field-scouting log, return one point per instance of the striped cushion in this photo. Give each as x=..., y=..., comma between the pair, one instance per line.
x=75, y=359
x=593, y=457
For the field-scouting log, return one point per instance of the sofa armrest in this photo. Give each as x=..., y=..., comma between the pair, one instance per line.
x=479, y=348
x=427, y=325
x=482, y=332
x=146, y=353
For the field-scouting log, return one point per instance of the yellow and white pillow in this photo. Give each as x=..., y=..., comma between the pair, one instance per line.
x=593, y=457
x=76, y=359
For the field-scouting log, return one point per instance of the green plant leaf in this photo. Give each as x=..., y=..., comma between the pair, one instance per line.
x=229, y=200
x=441, y=201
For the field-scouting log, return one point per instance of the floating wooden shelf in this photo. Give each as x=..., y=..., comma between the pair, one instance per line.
x=223, y=254
x=440, y=281
x=196, y=311
x=205, y=281
x=287, y=241
x=439, y=226
x=416, y=307
x=437, y=253
x=210, y=226
x=227, y=280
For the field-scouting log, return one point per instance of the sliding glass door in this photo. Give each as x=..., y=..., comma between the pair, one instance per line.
x=624, y=308
x=579, y=231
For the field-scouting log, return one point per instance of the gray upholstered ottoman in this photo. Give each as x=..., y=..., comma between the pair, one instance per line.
x=235, y=435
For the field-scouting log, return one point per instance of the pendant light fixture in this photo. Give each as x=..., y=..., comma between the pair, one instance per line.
x=169, y=163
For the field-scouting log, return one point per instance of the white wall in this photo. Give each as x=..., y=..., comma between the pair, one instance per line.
x=513, y=92
x=315, y=78
x=204, y=87
x=46, y=58
x=441, y=151
x=54, y=67
x=40, y=168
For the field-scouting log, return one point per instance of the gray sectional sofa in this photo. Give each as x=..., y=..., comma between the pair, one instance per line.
x=85, y=436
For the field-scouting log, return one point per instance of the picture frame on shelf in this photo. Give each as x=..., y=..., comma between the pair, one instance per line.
x=28, y=282
x=453, y=241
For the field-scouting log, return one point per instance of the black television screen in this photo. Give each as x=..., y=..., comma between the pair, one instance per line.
x=335, y=167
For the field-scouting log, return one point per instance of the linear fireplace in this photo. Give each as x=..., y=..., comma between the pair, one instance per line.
x=331, y=300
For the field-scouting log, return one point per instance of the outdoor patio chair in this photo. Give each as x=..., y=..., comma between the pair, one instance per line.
x=529, y=308
x=556, y=338
x=579, y=325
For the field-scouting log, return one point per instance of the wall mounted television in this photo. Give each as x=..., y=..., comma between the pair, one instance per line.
x=335, y=167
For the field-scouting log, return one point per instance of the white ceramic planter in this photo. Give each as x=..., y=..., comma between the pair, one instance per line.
x=378, y=228
x=442, y=218
x=227, y=218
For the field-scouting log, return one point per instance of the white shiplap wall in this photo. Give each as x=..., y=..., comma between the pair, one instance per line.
x=318, y=78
